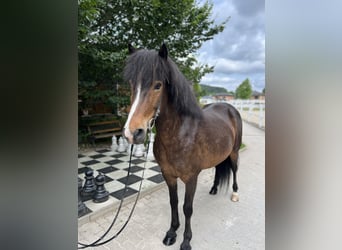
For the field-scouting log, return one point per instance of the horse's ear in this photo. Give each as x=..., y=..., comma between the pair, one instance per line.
x=131, y=49
x=163, y=51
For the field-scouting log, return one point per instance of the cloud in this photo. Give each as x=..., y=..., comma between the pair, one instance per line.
x=228, y=66
x=239, y=51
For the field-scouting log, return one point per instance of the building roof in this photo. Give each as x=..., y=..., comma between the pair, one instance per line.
x=256, y=93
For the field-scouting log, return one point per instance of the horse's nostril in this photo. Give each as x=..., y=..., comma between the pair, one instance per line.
x=139, y=135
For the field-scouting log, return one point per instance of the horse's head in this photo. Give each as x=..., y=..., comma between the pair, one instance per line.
x=146, y=71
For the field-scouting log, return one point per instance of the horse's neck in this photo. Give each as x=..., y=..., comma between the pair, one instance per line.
x=168, y=120
x=171, y=125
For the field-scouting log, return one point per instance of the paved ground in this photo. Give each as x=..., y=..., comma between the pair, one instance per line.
x=217, y=223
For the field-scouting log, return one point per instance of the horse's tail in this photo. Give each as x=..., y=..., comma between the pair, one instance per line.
x=222, y=174
x=223, y=170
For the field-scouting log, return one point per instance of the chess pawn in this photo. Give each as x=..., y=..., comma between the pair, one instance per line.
x=143, y=148
x=125, y=143
x=121, y=148
x=89, y=184
x=114, y=143
x=81, y=206
x=101, y=194
x=150, y=155
x=139, y=150
x=129, y=149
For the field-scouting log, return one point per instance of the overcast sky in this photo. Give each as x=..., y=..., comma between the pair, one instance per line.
x=239, y=51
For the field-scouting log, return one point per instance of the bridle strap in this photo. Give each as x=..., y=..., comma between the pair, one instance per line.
x=152, y=122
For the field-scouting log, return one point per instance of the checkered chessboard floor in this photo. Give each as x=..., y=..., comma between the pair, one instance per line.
x=114, y=166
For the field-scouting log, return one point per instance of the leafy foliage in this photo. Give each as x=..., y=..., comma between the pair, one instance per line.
x=244, y=90
x=106, y=27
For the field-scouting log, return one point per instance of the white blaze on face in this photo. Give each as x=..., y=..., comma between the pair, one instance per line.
x=128, y=134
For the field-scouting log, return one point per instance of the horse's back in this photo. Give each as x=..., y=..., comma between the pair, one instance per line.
x=222, y=109
x=229, y=115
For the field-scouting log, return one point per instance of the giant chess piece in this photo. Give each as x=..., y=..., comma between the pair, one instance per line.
x=125, y=143
x=139, y=150
x=129, y=148
x=101, y=194
x=121, y=148
x=82, y=209
x=150, y=155
x=89, y=184
x=114, y=143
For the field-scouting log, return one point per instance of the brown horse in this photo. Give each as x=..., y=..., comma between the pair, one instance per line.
x=188, y=138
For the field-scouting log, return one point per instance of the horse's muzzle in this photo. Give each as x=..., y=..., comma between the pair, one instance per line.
x=139, y=136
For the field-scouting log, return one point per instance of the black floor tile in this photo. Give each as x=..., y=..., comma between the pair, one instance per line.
x=131, y=179
x=113, y=162
x=91, y=162
x=107, y=170
x=82, y=170
x=134, y=169
x=97, y=156
x=137, y=161
x=156, y=179
x=118, y=194
x=156, y=168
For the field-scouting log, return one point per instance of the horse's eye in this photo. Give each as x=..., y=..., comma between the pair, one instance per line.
x=157, y=86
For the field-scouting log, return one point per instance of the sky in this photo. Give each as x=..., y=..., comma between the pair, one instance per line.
x=238, y=52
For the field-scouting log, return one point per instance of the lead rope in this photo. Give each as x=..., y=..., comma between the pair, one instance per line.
x=97, y=243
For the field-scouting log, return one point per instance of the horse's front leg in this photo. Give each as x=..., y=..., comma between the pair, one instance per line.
x=190, y=189
x=171, y=235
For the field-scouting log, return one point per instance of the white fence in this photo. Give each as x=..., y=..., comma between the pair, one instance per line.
x=251, y=110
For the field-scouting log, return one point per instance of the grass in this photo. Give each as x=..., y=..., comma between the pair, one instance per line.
x=242, y=146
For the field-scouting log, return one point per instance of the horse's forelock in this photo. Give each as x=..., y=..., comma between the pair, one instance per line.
x=145, y=66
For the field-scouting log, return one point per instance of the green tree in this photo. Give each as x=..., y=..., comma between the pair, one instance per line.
x=244, y=90
x=106, y=27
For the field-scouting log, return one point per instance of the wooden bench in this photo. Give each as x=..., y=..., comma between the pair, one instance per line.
x=104, y=129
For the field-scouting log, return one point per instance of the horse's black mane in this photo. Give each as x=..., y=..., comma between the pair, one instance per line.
x=144, y=65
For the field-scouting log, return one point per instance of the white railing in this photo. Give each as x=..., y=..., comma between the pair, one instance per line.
x=251, y=110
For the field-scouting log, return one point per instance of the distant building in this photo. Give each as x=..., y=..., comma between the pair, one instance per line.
x=257, y=96
x=206, y=100
x=221, y=97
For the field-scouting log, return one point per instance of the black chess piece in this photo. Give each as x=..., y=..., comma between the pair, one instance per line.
x=82, y=209
x=101, y=194
x=89, y=184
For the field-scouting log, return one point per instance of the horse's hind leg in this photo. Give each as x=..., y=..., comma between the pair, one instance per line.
x=170, y=237
x=234, y=166
x=213, y=190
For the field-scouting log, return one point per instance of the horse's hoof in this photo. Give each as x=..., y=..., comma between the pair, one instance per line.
x=169, y=239
x=185, y=246
x=213, y=191
x=235, y=197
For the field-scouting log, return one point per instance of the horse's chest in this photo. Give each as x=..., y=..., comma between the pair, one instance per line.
x=176, y=159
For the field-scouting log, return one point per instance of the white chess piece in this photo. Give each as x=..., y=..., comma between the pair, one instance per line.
x=121, y=148
x=139, y=150
x=114, y=143
x=125, y=143
x=128, y=150
x=150, y=155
